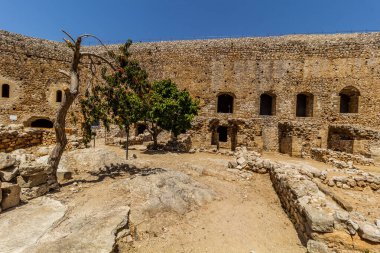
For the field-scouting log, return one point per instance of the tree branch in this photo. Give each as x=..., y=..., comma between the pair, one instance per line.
x=93, y=36
x=88, y=54
x=68, y=35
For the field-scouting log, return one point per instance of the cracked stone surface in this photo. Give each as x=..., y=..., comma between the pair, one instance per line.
x=39, y=215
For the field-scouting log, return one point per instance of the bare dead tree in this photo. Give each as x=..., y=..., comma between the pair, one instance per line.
x=70, y=94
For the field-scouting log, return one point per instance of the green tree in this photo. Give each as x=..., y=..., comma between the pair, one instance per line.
x=168, y=108
x=120, y=100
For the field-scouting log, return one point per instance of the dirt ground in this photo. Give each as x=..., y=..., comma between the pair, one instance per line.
x=247, y=217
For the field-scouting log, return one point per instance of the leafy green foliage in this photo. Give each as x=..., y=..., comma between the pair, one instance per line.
x=119, y=100
x=127, y=98
x=172, y=109
x=94, y=109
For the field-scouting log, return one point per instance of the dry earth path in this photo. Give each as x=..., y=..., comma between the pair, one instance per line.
x=246, y=215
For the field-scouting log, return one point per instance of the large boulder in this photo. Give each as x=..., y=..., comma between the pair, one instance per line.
x=88, y=160
x=170, y=191
x=317, y=247
x=34, y=192
x=8, y=174
x=24, y=226
x=32, y=180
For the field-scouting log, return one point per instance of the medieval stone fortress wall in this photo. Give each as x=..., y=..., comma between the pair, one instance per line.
x=286, y=93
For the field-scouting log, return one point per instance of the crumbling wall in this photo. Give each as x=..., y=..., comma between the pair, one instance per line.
x=16, y=137
x=339, y=159
x=298, y=138
x=354, y=139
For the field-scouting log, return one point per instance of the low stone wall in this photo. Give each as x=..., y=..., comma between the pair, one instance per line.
x=358, y=181
x=339, y=159
x=14, y=137
x=322, y=224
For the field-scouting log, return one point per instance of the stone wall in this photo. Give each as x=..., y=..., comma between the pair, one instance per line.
x=319, y=66
x=14, y=137
x=339, y=159
x=320, y=220
x=297, y=138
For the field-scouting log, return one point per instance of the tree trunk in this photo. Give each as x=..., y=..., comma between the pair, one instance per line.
x=154, y=131
x=127, y=142
x=173, y=137
x=60, y=120
x=154, y=135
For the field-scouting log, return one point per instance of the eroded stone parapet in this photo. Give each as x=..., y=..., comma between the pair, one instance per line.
x=32, y=168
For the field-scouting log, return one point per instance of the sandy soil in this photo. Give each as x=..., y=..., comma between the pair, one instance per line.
x=247, y=217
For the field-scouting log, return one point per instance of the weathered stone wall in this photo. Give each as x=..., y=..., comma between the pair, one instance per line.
x=297, y=138
x=284, y=66
x=321, y=218
x=30, y=66
x=339, y=159
x=318, y=65
x=15, y=137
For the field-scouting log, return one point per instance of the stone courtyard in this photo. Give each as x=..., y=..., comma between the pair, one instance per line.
x=284, y=155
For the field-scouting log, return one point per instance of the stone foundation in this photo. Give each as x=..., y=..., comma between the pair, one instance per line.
x=339, y=159
x=14, y=137
x=319, y=220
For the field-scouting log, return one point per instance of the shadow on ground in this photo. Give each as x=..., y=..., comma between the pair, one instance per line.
x=114, y=171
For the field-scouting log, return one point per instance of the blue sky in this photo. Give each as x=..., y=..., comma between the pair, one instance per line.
x=153, y=20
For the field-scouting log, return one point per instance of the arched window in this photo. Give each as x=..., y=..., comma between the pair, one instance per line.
x=305, y=102
x=225, y=103
x=349, y=100
x=5, y=90
x=267, y=104
x=58, y=96
x=42, y=123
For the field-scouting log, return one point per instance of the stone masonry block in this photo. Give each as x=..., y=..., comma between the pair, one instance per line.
x=10, y=195
x=319, y=220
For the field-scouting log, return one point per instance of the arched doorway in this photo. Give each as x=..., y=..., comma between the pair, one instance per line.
x=140, y=129
x=42, y=123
